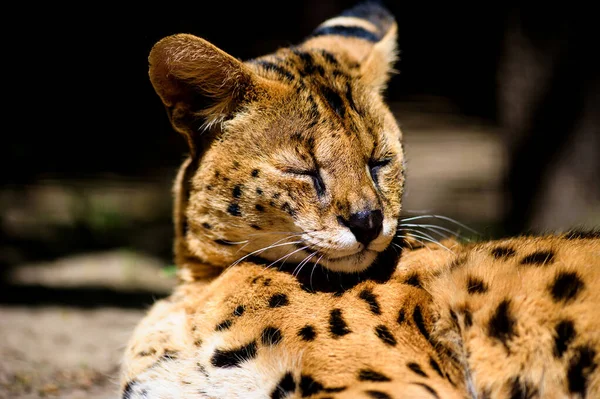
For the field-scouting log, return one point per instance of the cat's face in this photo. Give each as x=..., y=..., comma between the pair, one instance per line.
x=294, y=156
x=288, y=181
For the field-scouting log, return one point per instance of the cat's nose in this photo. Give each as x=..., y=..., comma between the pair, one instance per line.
x=365, y=225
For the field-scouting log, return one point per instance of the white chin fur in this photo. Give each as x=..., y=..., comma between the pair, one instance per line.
x=351, y=264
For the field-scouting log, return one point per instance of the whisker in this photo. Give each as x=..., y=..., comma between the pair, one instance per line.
x=285, y=238
x=304, y=262
x=434, y=227
x=235, y=242
x=446, y=218
x=265, y=249
x=413, y=231
x=433, y=241
x=284, y=257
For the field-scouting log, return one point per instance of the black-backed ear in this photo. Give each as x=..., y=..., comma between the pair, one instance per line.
x=199, y=84
x=365, y=34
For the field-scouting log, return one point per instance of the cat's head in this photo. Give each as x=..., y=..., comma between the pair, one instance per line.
x=294, y=156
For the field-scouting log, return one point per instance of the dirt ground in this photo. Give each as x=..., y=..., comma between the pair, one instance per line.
x=70, y=351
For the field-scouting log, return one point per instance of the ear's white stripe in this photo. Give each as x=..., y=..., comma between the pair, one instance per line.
x=350, y=22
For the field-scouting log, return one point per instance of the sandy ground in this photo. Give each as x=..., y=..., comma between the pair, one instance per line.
x=62, y=352
x=71, y=351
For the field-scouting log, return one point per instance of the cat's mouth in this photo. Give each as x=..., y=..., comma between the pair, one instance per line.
x=353, y=262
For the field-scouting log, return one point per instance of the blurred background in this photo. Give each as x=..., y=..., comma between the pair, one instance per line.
x=500, y=109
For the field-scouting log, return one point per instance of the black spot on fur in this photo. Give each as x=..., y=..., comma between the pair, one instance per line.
x=370, y=298
x=337, y=325
x=458, y=262
x=565, y=333
x=377, y=394
x=428, y=389
x=255, y=227
x=288, y=209
x=419, y=322
x=128, y=390
x=237, y=191
x=284, y=387
x=566, y=286
x=582, y=235
x=502, y=323
x=334, y=100
x=329, y=57
x=234, y=209
x=259, y=191
x=435, y=366
x=149, y=352
x=349, y=97
x=476, y=285
x=346, y=31
x=384, y=334
x=372, y=375
x=307, y=333
x=255, y=173
x=413, y=280
x=169, y=354
x=539, y=258
x=453, y=316
x=503, y=252
x=224, y=325
x=259, y=207
x=267, y=282
x=276, y=195
x=281, y=71
x=278, y=300
x=467, y=317
x=233, y=357
x=271, y=336
x=401, y=316
x=309, y=387
x=581, y=366
x=416, y=369
x=522, y=389
x=206, y=226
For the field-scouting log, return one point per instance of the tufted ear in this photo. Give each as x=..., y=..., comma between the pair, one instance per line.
x=365, y=35
x=199, y=84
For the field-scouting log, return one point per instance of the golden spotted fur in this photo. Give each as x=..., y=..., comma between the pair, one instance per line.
x=294, y=280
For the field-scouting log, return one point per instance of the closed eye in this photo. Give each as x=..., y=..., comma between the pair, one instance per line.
x=376, y=165
x=314, y=175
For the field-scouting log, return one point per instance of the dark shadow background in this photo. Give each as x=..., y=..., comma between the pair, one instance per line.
x=83, y=128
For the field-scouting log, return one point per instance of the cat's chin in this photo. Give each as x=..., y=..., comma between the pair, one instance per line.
x=355, y=263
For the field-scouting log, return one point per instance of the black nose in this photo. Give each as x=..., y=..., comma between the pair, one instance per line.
x=365, y=225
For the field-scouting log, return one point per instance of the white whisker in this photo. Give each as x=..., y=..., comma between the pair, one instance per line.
x=265, y=249
x=446, y=218
x=433, y=228
x=433, y=241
